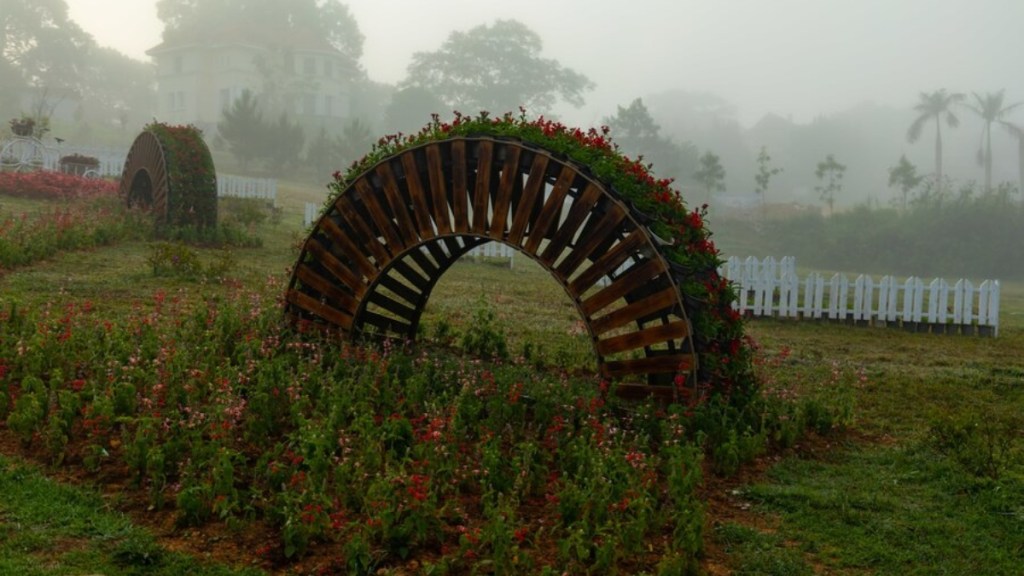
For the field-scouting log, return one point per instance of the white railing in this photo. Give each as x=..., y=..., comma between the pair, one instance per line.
x=111, y=159
x=229, y=185
x=311, y=212
x=494, y=250
x=962, y=307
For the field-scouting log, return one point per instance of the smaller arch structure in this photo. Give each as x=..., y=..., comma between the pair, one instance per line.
x=169, y=171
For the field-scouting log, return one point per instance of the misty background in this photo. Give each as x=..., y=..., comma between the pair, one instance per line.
x=686, y=84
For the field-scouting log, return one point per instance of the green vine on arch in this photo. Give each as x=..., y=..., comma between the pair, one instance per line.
x=192, y=178
x=725, y=356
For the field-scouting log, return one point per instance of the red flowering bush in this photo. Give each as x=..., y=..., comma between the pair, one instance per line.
x=45, y=185
x=725, y=359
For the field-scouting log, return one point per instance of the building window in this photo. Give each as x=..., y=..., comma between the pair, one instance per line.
x=328, y=68
x=328, y=105
x=309, y=65
x=308, y=104
x=179, y=64
x=225, y=98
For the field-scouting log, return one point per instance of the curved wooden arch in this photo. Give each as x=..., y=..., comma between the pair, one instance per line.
x=144, y=177
x=373, y=257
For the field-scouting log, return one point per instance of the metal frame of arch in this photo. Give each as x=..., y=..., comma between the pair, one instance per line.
x=370, y=262
x=146, y=160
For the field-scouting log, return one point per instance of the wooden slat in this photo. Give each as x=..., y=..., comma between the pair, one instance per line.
x=438, y=192
x=392, y=305
x=666, y=300
x=317, y=308
x=386, y=325
x=637, y=277
x=411, y=275
x=339, y=298
x=399, y=208
x=595, y=236
x=400, y=289
x=460, y=190
x=643, y=338
x=349, y=247
x=354, y=219
x=577, y=214
x=379, y=217
x=421, y=209
x=648, y=365
x=428, y=267
x=552, y=209
x=534, y=184
x=482, y=194
x=336, y=267
x=437, y=253
x=506, y=189
x=608, y=263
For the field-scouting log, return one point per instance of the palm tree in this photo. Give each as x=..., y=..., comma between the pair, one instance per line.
x=1018, y=132
x=991, y=110
x=937, y=105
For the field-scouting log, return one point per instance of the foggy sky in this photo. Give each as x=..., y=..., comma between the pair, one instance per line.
x=796, y=58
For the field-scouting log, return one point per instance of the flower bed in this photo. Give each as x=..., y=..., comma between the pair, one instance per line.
x=191, y=177
x=45, y=185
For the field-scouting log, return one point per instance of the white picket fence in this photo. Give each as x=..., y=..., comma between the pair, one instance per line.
x=229, y=185
x=772, y=288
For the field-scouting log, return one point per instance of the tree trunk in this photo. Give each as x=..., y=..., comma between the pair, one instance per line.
x=938, y=156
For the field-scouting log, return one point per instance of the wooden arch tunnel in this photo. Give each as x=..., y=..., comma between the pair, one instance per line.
x=373, y=257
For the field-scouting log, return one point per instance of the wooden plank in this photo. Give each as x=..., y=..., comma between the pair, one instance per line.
x=336, y=267
x=370, y=240
x=317, y=308
x=552, y=209
x=534, y=184
x=595, y=236
x=643, y=338
x=400, y=289
x=438, y=254
x=666, y=300
x=438, y=191
x=578, y=212
x=637, y=277
x=411, y=275
x=421, y=210
x=392, y=305
x=506, y=190
x=399, y=207
x=428, y=267
x=482, y=194
x=349, y=247
x=649, y=365
x=460, y=187
x=609, y=262
x=386, y=325
x=384, y=224
x=343, y=300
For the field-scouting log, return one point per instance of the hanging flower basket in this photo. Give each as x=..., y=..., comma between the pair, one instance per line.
x=23, y=126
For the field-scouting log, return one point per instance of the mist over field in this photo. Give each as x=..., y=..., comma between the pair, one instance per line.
x=679, y=83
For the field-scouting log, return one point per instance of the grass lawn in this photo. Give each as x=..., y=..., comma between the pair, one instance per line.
x=927, y=478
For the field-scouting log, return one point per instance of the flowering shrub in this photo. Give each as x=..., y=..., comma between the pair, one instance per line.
x=46, y=185
x=192, y=179
x=29, y=237
x=724, y=357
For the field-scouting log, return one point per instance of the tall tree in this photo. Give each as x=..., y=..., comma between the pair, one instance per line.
x=637, y=135
x=936, y=106
x=992, y=110
x=40, y=47
x=496, y=68
x=830, y=178
x=710, y=175
x=765, y=172
x=242, y=127
x=905, y=177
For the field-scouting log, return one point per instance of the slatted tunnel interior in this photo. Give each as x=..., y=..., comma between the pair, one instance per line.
x=372, y=259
